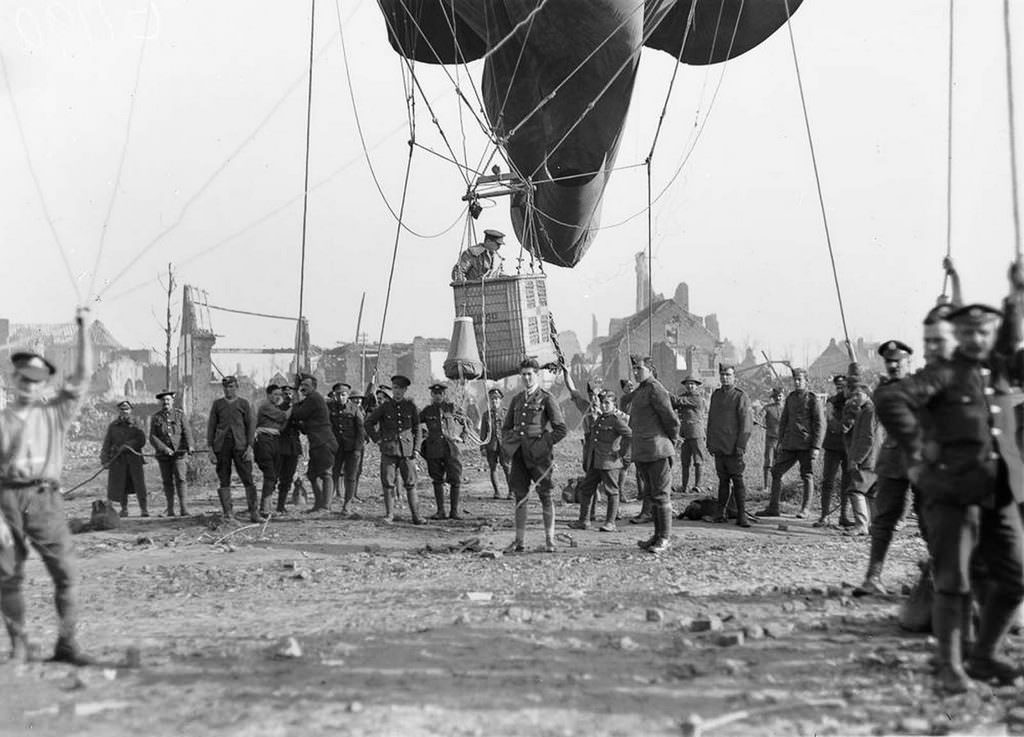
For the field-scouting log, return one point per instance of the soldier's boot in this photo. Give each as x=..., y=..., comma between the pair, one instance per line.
x=12, y=602
x=968, y=627
x=645, y=515
x=805, y=500
x=456, y=492
x=252, y=503
x=439, y=501
x=826, y=505
x=67, y=650
x=327, y=486
x=518, y=545
x=872, y=584
x=859, y=508
x=350, y=492
x=389, y=513
x=723, y=500
x=592, y=507
x=698, y=477
x=180, y=491
x=844, y=506
x=611, y=514
x=662, y=529
x=169, y=496
x=685, y=485
x=740, y=492
x=266, y=492
x=766, y=482
x=143, y=499
x=655, y=536
x=336, y=486
x=772, y=510
x=224, y=494
x=547, y=510
x=996, y=617
x=916, y=612
x=414, y=507
x=583, y=522
x=282, y=499
x=947, y=616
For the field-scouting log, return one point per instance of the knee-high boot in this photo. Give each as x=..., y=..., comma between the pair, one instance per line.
x=772, y=510
x=414, y=508
x=547, y=509
x=456, y=492
x=180, y=489
x=224, y=494
x=808, y=492
x=698, y=476
x=826, y=503
x=327, y=487
x=388, y=504
x=947, y=616
x=996, y=617
x=740, y=492
x=169, y=496
x=439, y=501
x=844, y=506
x=611, y=513
x=252, y=503
x=350, y=492
x=520, y=518
x=685, y=485
x=266, y=493
x=140, y=496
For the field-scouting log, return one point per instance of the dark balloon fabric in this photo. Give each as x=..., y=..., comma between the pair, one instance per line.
x=564, y=150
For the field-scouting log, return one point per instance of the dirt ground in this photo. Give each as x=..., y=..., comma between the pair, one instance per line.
x=395, y=638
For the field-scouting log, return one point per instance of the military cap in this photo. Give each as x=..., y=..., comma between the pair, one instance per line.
x=638, y=360
x=974, y=314
x=723, y=367
x=124, y=404
x=894, y=350
x=491, y=234
x=400, y=382
x=839, y=379
x=939, y=313
x=495, y=392
x=341, y=385
x=438, y=388
x=229, y=380
x=799, y=372
x=530, y=362
x=166, y=393
x=383, y=389
x=606, y=394
x=691, y=379
x=32, y=366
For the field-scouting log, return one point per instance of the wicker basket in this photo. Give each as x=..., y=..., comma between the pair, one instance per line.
x=517, y=321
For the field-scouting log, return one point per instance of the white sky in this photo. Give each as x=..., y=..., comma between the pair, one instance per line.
x=740, y=224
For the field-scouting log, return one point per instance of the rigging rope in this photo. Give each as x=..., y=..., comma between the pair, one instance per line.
x=949, y=152
x=1013, y=135
x=300, y=343
x=124, y=153
x=35, y=180
x=817, y=181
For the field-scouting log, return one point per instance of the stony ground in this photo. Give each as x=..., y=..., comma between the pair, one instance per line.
x=395, y=632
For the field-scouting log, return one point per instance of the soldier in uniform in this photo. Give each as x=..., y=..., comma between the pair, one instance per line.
x=627, y=389
x=480, y=260
x=835, y=455
x=313, y=419
x=860, y=443
x=122, y=454
x=347, y=423
x=490, y=429
x=171, y=438
x=955, y=421
x=395, y=427
x=270, y=420
x=772, y=419
x=230, y=432
x=893, y=480
x=532, y=426
x=801, y=430
x=289, y=452
x=446, y=430
x=32, y=433
x=692, y=410
x=605, y=447
x=655, y=427
x=729, y=428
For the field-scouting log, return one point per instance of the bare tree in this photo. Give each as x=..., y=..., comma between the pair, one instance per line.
x=170, y=325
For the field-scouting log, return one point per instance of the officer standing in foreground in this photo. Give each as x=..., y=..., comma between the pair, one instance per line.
x=171, y=438
x=655, y=427
x=729, y=428
x=446, y=429
x=692, y=411
x=835, y=455
x=395, y=426
x=348, y=425
x=955, y=421
x=490, y=430
x=32, y=433
x=230, y=432
x=606, y=443
x=801, y=431
x=532, y=427
x=893, y=485
x=122, y=454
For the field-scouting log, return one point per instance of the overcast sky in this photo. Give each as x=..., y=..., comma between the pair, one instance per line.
x=216, y=149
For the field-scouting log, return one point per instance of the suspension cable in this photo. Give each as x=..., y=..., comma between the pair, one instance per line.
x=35, y=180
x=300, y=343
x=124, y=152
x=817, y=181
x=1013, y=135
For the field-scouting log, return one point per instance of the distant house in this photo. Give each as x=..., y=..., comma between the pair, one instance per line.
x=835, y=359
